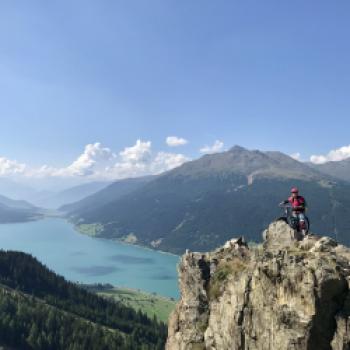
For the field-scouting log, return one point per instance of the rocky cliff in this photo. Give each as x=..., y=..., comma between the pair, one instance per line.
x=281, y=295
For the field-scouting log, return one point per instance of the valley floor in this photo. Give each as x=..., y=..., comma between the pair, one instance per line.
x=150, y=303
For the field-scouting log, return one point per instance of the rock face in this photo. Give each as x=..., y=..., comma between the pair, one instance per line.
x=282, y=295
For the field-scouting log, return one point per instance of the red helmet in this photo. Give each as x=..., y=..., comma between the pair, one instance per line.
x=294, y=190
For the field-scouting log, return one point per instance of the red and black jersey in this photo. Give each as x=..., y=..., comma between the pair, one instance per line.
x=298, y=201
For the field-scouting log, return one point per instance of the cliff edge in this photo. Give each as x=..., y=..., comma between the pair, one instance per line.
x=281, y=295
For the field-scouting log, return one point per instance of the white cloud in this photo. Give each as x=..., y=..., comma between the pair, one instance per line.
x=43, y=171
x=139, y=160
x=296, y=155
x=93, y=158
x=318, y=159
x=94, y=154
x=11, y=167
x=216, y=147
x=140, y=152
x=122, y=170
x=174, y=141
x=334, y=155
x=98, y=162
x=165, y=161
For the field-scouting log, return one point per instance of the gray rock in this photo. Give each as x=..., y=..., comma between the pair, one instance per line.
x=325, y=244
x=279, y=235
x=282, y=295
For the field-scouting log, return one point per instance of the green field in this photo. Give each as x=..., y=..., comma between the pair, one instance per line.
x=151, y=304
x=92, y=230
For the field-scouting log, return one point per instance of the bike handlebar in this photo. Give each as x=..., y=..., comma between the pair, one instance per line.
x=284, y=205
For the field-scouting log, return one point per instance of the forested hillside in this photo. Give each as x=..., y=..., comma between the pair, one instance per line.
x=41, y=310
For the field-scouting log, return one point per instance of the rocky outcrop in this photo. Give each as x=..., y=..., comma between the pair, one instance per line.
x=284, y=294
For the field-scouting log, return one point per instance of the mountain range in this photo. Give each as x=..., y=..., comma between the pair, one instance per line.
x=337, y=169
x=54, y=200
x=204, y=202
x=53, y=196
x=17, y=210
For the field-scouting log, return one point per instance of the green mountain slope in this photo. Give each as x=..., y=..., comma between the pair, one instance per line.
x=202, y=203
x=41, y=310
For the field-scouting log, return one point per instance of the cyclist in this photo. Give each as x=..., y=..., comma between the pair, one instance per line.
x=298, y=204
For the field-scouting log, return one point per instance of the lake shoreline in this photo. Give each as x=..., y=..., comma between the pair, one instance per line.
x=76, y=228
x=56, y=243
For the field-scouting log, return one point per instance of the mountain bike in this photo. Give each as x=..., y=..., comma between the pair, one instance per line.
x=293, y=221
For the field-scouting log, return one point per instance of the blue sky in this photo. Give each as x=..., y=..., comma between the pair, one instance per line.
x=271, y=75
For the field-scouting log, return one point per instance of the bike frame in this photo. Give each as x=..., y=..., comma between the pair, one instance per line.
x=290, y=218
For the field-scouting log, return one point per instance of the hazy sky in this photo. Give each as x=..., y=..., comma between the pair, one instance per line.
x=271, y=75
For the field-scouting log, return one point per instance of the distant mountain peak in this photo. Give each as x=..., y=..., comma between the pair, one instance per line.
x=241, y=161
x=236, y=148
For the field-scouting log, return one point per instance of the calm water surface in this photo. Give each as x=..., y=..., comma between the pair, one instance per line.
x=81, y=258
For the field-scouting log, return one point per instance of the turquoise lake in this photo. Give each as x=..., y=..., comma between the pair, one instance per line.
x=80, y=258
